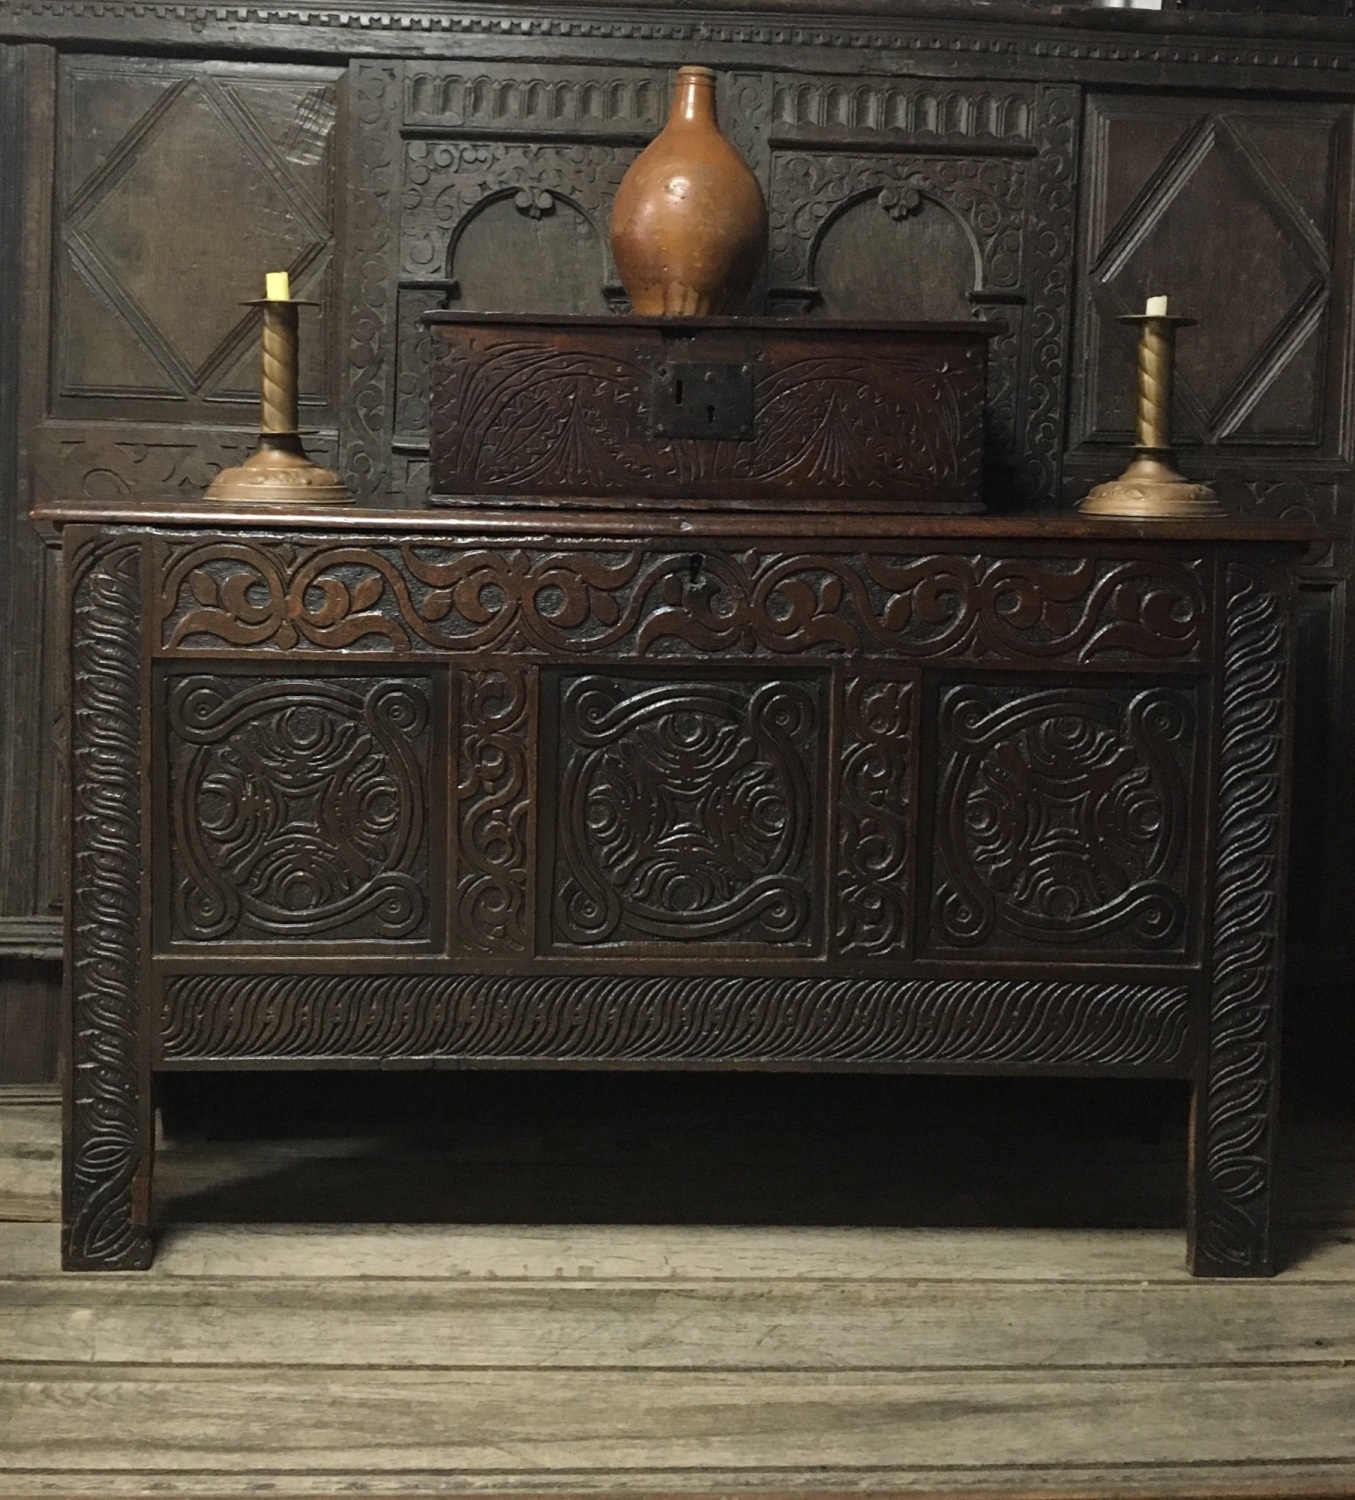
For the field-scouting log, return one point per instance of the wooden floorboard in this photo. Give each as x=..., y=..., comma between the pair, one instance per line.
x=324, y=1358
x=488, y=1421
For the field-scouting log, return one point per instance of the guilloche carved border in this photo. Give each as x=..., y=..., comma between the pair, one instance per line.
x=385, y=596
x=1230, y=1226
x=104, y=1223
x=211, y=1018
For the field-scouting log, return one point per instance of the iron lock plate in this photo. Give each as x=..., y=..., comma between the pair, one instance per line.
x=693, y=399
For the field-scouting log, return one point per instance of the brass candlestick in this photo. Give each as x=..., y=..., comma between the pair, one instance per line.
x=278, y=472
x=1151, y=488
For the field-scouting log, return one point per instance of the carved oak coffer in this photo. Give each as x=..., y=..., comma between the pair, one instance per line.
x=421, y=789
x=774, y=413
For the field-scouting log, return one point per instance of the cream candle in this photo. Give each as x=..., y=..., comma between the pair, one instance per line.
x=277, y=286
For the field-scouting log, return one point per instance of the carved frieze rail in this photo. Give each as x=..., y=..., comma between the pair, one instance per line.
x=339, y=595
x=719, y=1019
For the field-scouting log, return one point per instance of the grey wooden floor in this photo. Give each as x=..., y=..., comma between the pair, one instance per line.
x=780, y=1323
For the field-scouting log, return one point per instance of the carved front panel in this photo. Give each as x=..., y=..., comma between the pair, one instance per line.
x=300, y=808
x=686, y=811
x=1062, y=819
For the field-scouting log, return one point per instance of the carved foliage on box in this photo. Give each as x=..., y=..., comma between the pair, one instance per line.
x=685, y=811
x=333, y=593
x=1231, y=1230
x=493, y=809
x=300, y=807
x=105, y=1228
x=679, y=1019
x=875, y=775
x=522, y=418
x=1063, y=817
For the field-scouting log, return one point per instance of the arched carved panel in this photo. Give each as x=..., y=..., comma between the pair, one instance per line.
x=895, y=254
x=531, y=250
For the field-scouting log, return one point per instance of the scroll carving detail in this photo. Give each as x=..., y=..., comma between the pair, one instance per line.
x=299, y=807
x=493, y=794
x=105, y=1227
x=685, y=811
x=333, y=594
x=875, y=779
x=678, y=1019
x=1063, y=817
x=1230, y=1229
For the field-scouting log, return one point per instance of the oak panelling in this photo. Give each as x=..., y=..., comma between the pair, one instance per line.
x=1233, y=208
x=174, y=184
x=29, y=780
x=903, y=199
x=30, y=998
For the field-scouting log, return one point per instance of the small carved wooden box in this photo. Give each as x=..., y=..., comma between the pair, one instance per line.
x=535, y=789
x=775, y=414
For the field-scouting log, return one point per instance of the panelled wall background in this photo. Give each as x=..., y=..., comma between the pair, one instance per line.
x=919, y=161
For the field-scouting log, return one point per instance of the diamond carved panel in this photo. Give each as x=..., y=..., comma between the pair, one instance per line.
x=1230, y=211
x=182, y=183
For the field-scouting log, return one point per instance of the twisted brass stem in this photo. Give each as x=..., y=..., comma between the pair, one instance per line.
x=278, y=391
x=1156, y=361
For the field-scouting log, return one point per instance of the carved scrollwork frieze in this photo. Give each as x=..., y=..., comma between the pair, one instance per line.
x=648, y=602
x=686, y=1019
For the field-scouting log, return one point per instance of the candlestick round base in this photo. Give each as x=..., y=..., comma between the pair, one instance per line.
x=279, y=473
x=1150, y=489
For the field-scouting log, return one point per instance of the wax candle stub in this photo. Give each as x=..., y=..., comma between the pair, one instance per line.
x=1157, y=307
x=277, y=286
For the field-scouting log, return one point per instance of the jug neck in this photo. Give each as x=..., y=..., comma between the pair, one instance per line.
x=693, y=97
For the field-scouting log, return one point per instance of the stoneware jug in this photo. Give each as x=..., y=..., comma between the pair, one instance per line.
x=689, y=227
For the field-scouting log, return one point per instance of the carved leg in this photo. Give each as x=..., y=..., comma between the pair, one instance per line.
x=108, y=1139
x=1233, y=1115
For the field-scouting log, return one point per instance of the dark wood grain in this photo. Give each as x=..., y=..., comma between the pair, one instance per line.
x=921, y=157
x=975, y=801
